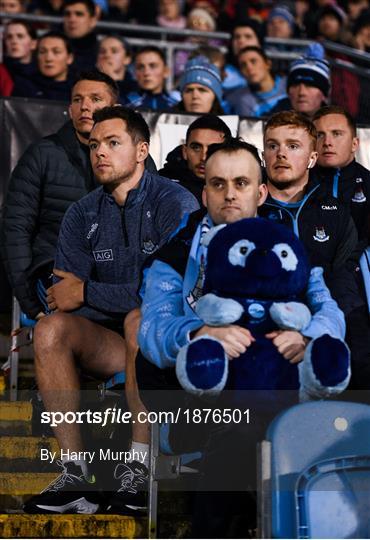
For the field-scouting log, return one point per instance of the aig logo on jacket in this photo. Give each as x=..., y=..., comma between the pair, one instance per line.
x=103, y=255
x=321, y=235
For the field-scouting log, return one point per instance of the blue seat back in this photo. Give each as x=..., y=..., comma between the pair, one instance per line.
x=303, y=435
x=333, y=499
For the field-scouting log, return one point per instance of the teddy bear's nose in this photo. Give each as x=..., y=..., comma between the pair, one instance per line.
x=263, y=263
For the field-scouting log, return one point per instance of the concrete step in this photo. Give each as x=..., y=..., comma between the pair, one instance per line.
x=71, y=526
x=17, y=411
x=26, y=447
x=24, y=483
x=15, y=418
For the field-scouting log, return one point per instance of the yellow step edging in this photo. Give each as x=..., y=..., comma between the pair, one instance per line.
x=70, y=526
x=17, y=410
x=26, y=447
x=24, y=483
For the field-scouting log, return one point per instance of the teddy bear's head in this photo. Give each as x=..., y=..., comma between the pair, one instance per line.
x=256, y=258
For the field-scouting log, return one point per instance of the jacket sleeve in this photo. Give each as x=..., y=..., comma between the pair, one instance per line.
x=327, y=318
x=342, y=280
x=164, y=326
x=21, y=212
x=74, y=255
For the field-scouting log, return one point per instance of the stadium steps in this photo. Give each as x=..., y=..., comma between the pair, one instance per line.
x=71, y=526
x=22, y=474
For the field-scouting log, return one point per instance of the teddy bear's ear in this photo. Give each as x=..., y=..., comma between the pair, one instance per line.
x=210, y=234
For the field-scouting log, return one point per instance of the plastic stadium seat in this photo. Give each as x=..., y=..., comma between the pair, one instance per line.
x=314, y=470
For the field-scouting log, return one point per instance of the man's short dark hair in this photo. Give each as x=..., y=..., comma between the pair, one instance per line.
x=232, y=145
x=30, y=29
x=152, y=49
x=57, y=35
x=254, y=48
x=136, y=126
x=90, y=5
x=209, y=121
x=336, y=109
x=99, y=76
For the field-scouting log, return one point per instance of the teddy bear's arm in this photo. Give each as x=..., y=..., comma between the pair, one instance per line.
x=216, y=311
x=290, y=315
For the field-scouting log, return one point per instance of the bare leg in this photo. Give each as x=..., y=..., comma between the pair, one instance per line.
x=63, y=342
x=140, y=431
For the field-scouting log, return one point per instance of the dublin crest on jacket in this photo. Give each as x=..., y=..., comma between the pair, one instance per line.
x=321, y=235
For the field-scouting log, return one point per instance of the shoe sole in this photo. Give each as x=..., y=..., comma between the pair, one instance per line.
x=85, y=507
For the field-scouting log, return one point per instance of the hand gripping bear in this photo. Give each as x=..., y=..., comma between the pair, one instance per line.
x=256, y=276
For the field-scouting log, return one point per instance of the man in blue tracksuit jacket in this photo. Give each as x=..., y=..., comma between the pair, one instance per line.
x=104, y=240
x=173, y=283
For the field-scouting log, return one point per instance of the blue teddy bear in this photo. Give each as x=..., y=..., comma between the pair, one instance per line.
x=256, y=276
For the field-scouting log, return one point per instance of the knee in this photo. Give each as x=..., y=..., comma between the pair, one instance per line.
x=51, y=331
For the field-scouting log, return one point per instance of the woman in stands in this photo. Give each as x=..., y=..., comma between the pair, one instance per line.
x=263, y=90
x=53, y=79
x=201, y=88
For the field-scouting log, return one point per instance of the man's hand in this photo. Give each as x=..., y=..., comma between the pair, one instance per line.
x=235, y=339
x=67, y=294
x=290, y=344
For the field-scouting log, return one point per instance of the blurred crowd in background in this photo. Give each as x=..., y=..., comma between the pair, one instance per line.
x=243, y=75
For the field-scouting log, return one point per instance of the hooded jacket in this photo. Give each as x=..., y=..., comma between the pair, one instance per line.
x=177, y=168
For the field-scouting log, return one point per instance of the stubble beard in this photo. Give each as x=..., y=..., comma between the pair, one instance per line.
x=282, y=184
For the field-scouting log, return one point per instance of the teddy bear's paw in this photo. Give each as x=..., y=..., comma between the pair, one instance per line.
x=217, y=311
x=325, y=369
x=202, y=366
x=290, y=315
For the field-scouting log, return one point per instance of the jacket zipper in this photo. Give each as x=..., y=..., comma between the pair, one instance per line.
x=124, y=228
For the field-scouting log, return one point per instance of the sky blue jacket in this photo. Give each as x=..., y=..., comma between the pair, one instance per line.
x=168, y=317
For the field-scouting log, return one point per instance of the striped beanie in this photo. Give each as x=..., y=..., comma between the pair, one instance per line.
x=199, y=70
x=312, y=69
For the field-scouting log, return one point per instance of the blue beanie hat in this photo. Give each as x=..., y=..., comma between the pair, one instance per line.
x=200, y=71
x=312, y=69
x=284, y=13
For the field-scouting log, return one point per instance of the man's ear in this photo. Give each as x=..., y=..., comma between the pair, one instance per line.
x=70, y=59
x=313, y=159
x=355, y=144
x=70, y=110
x=184, y=152
x=204, y=197
x=262, y=194
x=263, y=162
x=142, y=151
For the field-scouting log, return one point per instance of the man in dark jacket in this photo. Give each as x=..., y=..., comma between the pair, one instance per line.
x=349, y=182
x=345, y=179
x=323, y=223
x=51, y=174
x=186, y=163
x=104, y=241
